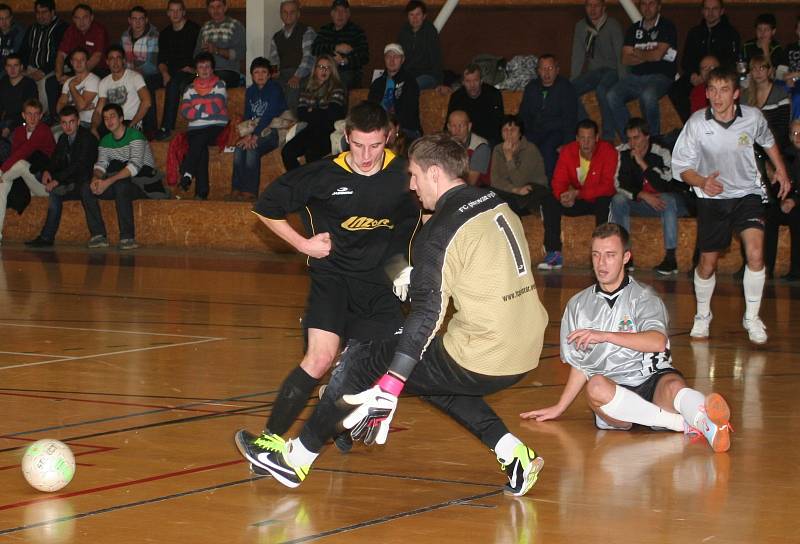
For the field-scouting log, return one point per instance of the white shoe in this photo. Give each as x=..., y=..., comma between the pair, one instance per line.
x=756, y=330
x=701, y=325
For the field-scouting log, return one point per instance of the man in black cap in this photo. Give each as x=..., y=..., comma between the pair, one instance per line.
x=346, y=42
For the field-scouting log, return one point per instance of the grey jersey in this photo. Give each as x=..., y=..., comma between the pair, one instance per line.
x=706, y=146
x=631, y=308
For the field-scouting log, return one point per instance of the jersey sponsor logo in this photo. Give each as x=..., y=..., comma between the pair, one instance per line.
x=625, y=324
x=366, y=223
x=342, y=191
x=744, y=140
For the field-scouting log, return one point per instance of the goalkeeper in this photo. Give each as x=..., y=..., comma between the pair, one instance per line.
x=474, y=251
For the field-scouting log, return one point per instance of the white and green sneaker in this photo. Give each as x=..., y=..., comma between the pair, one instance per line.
x=268, y=452
x=522, y=470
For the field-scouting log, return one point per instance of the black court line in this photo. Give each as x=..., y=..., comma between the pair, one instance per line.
x=399, y=515
x=106, y=394
x=173, y=323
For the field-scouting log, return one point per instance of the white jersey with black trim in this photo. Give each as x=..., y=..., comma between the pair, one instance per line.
x=706, y=145
x=631, y=308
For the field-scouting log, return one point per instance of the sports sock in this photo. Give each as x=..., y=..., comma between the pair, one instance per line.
x=291, y=400
x=689, y=403
x=703, y=289
x=671, y=254
x=504, y=449
x=298, y=455
x=753, y=289
x=628, y=406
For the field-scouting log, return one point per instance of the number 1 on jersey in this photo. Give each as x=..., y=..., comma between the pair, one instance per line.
x=513, y=244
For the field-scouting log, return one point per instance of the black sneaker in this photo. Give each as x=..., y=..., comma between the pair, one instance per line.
x=522, y=470
x=268, y=452
x=185, y=182
x=39, y=242
x=667, y=267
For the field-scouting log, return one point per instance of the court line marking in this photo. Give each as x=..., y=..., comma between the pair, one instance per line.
x=143, y=333
x=34, y=354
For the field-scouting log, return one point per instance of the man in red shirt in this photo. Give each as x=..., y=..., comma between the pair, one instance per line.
x=87, y=33
x=32, y=144
x=582, y=184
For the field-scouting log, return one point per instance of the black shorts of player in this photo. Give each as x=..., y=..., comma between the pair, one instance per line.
x=647, y=388
x=717, y=220
x=352, y=307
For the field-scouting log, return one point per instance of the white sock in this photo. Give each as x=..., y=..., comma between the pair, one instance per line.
x=298, y=455
x=689, y=403
x=628, y=406
x=703, y=289
x=753, y=289
x=504, y=449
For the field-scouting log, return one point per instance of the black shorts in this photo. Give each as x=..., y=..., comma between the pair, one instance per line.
x=647, y=389
x=352, y=308
x=717, y=220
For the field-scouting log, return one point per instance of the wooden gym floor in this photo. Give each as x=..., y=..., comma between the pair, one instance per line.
x=146, y=364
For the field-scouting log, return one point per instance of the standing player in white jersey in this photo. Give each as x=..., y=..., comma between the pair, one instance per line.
x=714, y=154
x=614, y=335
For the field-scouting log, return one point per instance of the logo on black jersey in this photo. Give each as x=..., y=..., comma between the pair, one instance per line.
x=342, y=191
x=366, y=223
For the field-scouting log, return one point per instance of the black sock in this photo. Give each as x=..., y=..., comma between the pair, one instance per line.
x=671, y=254
x=292, y=398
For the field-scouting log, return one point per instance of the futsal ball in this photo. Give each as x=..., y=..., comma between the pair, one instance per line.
x=48, y=465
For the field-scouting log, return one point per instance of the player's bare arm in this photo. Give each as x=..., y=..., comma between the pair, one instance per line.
x=646, y=341
x=318, y=246
x=575, y=383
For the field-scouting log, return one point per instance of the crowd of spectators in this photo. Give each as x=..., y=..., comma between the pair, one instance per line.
x=547, y=159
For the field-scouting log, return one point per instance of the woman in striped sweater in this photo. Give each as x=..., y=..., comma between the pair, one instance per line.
x=205, y=106
x=321, y=104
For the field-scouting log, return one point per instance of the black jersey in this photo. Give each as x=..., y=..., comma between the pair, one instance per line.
x=370, y=218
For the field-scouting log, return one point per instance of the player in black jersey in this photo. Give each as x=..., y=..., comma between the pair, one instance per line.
x=359, y=215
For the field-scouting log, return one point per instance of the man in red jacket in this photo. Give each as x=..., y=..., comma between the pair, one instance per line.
x=32, y=144
x=582, y=184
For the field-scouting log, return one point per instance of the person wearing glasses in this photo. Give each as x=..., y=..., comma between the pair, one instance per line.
x=771, y=99
x=321, y=104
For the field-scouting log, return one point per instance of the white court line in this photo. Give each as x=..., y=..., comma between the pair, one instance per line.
x=31, y=354
x=135, y=350
x=3, y=323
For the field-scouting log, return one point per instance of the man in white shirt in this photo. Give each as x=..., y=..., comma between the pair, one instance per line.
x=81, y=89
x=124, y=87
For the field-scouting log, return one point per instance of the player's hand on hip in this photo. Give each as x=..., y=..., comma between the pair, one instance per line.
x=370, y=421
x=401, y=283
x=711, y=185
x=543, y=414
x=318, y=246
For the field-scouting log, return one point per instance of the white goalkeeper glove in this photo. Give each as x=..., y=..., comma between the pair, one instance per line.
x=370, y=421
x=401, y=282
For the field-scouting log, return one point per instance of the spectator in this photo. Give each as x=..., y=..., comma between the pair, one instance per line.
x=549, y=110
x=771, y=99
x=321, y=104
x=645, y=189
x=87, y=33
x=123, y=155
x=397, y=143
x=31, y=147
x=205, y=106
x=345, y=42
x=263, y=101
x=792, y=77
x=714, y=36
x=697, y=98
x=15, y=90
x=785, y=212
x=518, y=178
x=39, y=51
x=12, y=33
x=290, y=52
x=482, y=103
x=176, y=44
x=765, y=44
x=420, y=41
x=224, y=38
x=124, y=87
x=397, y=91
x=583, y=183
x=596, y=62
x=69, y=169
x=81, y=89
x=140, y=42
x=650, y=50
x=478, y=149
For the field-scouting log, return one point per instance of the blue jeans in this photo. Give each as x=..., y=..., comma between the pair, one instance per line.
x=649, y=89
x=247, y=164
x=622, y=209
x=55, y=204
x=600, y=81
